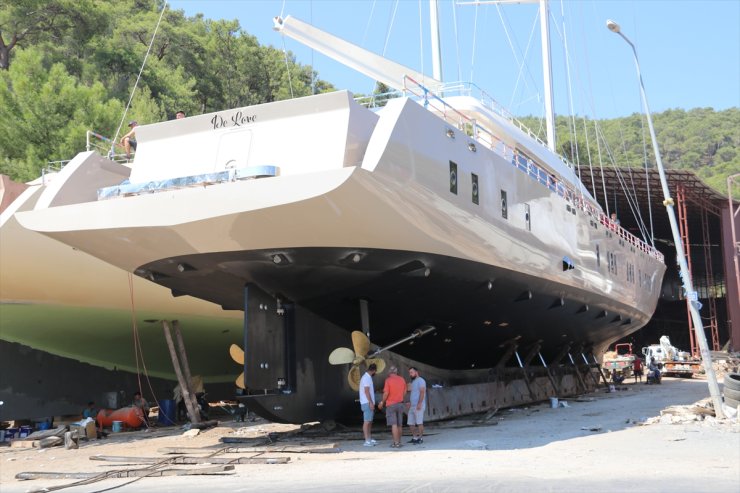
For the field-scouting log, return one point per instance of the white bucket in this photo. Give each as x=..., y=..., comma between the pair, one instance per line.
x=553, y=402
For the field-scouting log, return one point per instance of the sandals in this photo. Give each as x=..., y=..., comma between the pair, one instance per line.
x=396, y=445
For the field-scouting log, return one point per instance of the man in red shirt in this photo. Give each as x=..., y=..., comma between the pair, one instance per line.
x=393, y=393
x=637, y=368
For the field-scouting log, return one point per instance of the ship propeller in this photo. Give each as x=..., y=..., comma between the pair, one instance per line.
x=237, y=354
x=356, y=356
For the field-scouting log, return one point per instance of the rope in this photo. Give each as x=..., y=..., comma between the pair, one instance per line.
x=133, y=90
x=475, y=43
x=285, y=54
x=139, y=349
x=457, y=41
x=287, y=68
x=514, y=47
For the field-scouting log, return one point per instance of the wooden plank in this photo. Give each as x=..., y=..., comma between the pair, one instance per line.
x=24, y=443
x=189, y=400
x=289, y=448
x=192, y=460
x=131, y=473
x=328, y=448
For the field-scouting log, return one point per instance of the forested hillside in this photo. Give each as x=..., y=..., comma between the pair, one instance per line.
x=702, y=140
x=67, y=66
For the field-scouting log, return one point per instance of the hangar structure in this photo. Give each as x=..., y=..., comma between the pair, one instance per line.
x=708, y=224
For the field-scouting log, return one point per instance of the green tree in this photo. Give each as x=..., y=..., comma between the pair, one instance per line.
x=44, y=114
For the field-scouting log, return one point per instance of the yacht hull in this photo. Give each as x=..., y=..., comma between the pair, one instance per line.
x=401, y=212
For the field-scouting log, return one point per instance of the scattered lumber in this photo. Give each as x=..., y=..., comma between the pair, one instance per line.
x=319, y=448
x=204, y=424
x=43, y=443
x=131, y=473
x=192, y=460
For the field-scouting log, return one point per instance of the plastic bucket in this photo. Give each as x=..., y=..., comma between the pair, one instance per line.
x=44, y=425
x=167, y=412
x=553, y=402
x=25, y=431
x=117, y=426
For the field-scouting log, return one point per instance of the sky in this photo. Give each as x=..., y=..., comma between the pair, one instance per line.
x=689, y=51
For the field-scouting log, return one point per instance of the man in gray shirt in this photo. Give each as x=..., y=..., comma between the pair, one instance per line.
x=417, y=407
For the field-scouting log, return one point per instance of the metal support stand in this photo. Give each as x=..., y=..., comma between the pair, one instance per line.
x=578, y=373
x=549, y=376
x=588, y=369
x=525, y=373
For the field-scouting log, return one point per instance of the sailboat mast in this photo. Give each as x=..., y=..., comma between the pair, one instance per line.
x=547, y=73
x=436, y=52
x=546, y=58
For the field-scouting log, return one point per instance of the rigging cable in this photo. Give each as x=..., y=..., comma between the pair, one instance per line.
x=601, y=166
x=631, y=198
x=390, y=27
x=287, y=69
x=133, y=90
x=475, y=41
x=513, y=46
x=457, y=41
x=572, y=119
x=647, y=183
x=285, y=55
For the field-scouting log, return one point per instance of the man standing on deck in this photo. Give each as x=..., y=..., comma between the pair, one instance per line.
x=418, y=402
x=128, y=141
x=393, y=393
x=367, y=404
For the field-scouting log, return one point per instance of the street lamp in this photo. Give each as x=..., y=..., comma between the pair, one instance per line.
x=681, y=257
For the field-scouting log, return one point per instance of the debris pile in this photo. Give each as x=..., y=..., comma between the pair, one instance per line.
x=702, y=411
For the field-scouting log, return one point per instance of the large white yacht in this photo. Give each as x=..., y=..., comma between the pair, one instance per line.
x=434, y=216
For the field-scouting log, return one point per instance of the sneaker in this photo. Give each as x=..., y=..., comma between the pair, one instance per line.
x=413, y=440
x=419, y=440
x=368, y=444
x=374, y=442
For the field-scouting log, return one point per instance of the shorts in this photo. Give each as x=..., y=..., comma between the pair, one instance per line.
x=132, y=143
x=394, y=414
x=416, y=417
x=368, y=411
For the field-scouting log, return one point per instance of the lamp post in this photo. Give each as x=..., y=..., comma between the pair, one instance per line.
x=688, y=287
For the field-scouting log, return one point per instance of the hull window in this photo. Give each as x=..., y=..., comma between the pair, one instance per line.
x=474, y=179
x=504, y=205
x=598, y=257
x=453, y=177
x=527, y=217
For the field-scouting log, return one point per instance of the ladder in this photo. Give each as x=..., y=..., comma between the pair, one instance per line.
x=683, y=228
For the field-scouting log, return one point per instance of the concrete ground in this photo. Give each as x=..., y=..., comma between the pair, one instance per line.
x=597, y=443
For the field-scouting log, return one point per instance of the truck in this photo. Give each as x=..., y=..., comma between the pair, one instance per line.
x=621, y=360
x=671, y=361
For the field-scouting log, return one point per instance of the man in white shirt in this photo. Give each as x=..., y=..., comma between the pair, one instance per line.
x=367, y=404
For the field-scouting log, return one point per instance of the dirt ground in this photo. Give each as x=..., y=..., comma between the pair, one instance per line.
x=606, y=442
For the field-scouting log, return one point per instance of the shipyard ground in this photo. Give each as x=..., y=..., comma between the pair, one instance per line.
x=600, y=442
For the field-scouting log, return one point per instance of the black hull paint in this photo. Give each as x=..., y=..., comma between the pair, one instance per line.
x=475, y=307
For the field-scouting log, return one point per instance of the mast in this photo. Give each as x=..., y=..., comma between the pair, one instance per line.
x=547, y=73
x=436, y=52
x=546, y=62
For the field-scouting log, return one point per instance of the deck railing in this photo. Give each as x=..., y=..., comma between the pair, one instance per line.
x=435, y=103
